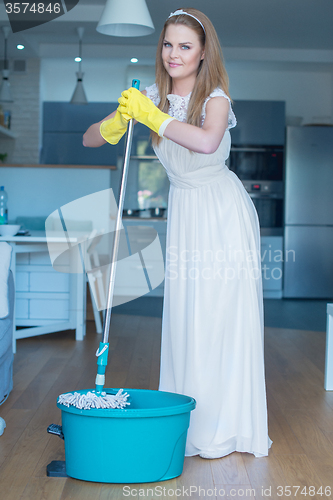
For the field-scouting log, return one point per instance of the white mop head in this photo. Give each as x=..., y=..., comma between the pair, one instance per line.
x=93, y=400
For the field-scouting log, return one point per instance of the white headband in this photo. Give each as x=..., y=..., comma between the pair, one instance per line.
x=181, y=11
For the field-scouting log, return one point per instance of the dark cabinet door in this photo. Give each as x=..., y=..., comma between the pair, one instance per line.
x=63, y=127
x=259, y=123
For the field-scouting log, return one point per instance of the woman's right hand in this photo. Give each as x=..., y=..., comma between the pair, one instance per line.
x=112, y=130
x=93, y=137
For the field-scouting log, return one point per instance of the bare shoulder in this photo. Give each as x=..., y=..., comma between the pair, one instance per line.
x=217, y=110
x=218, y=103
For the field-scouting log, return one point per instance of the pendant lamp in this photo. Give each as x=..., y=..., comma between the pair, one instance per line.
x=5, y=92
x=125, y=18
x=79, y=95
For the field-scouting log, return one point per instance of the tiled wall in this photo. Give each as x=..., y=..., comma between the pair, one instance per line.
x=25, y=115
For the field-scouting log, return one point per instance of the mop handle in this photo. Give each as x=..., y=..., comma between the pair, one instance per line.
x=129, y=137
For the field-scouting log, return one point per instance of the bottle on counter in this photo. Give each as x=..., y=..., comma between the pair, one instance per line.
x=2, y=117
x=3, y=206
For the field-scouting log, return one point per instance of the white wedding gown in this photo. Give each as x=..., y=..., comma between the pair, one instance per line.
x=212, y=329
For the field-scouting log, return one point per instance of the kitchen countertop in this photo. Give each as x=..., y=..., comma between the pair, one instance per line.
x=264, y=231
x=40, y=237
x=129, y=217
x=47, y=165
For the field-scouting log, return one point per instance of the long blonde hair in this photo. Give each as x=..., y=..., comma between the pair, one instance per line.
x=211, y=71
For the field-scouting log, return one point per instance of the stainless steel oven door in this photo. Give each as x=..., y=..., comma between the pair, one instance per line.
x=267, y=197
x=257, y=163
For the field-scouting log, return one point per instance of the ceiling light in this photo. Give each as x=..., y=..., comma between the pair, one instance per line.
x=5, y=92
x=79, y=95
x=134, y=60
x=134, y=20
x=20, y=47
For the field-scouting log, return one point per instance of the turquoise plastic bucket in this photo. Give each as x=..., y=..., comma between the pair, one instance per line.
x=142, y=443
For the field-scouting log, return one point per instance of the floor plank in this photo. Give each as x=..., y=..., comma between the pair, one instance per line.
x=230, y=470
x=299, y=417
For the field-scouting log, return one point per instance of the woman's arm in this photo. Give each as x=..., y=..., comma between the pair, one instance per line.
x=92, y=137
x=207, y=139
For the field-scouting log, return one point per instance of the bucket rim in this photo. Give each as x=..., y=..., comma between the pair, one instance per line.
x=186, y=406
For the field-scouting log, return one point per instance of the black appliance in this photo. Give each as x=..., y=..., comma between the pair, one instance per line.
x=261, y=171
x=267, y=197
x=257, y=163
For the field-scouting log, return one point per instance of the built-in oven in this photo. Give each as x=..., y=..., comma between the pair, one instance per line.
x=261, y=170
x=267, y=197
x=257, y=163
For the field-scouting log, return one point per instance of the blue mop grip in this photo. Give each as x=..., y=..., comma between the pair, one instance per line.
x=136, y=83
x=102, y=361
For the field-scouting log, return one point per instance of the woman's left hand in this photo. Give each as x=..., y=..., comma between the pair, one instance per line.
x=142, y=109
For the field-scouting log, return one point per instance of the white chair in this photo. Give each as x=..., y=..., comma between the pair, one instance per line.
x=95, y=277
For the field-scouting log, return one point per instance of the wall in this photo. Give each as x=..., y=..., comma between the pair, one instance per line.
x=103, y=81
x=305, y=86
x=39, y=191
x=25, y=115
x=308, y=93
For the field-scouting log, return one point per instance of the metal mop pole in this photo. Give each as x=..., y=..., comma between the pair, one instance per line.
x=103, y=349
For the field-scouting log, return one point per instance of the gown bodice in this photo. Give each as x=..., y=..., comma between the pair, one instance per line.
x=184, y=168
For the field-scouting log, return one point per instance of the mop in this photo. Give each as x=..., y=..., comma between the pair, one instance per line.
x=98, y=398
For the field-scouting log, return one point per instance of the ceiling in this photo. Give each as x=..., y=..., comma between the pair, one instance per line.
x=279, y=24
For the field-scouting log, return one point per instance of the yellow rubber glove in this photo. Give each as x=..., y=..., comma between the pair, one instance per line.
x=141, y=108
x=113, y=129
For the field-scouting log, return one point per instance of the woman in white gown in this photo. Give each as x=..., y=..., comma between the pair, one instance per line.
x=212, y=329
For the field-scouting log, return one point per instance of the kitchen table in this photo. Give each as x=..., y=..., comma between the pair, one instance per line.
x=46, y=301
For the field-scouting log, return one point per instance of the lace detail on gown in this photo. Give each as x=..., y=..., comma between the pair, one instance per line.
x=178, y=105
x=152, y=93
x=232, y=122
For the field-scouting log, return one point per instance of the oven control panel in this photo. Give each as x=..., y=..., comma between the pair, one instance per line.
x=273, y=189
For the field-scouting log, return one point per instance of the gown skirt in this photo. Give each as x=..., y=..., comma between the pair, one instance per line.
x=212, y=325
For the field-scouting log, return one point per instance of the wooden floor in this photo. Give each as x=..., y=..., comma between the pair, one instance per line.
x=300, y=418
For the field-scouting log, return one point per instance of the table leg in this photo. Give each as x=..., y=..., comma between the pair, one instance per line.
x=80, y=310
x=329, y=354
x=13, y=269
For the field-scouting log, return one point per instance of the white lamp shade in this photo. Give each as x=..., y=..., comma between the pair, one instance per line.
x=5, y=92
x=125, y=18
x=79, y=95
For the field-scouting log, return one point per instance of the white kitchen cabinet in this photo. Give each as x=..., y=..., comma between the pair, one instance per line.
x=272, y=266
x=46, y=301
x=42, y=294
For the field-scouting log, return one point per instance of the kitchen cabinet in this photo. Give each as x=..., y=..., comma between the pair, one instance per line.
x=63, y=127
x=45, y=301
x=41, y=292
x=272, y=266
x=259, y=123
